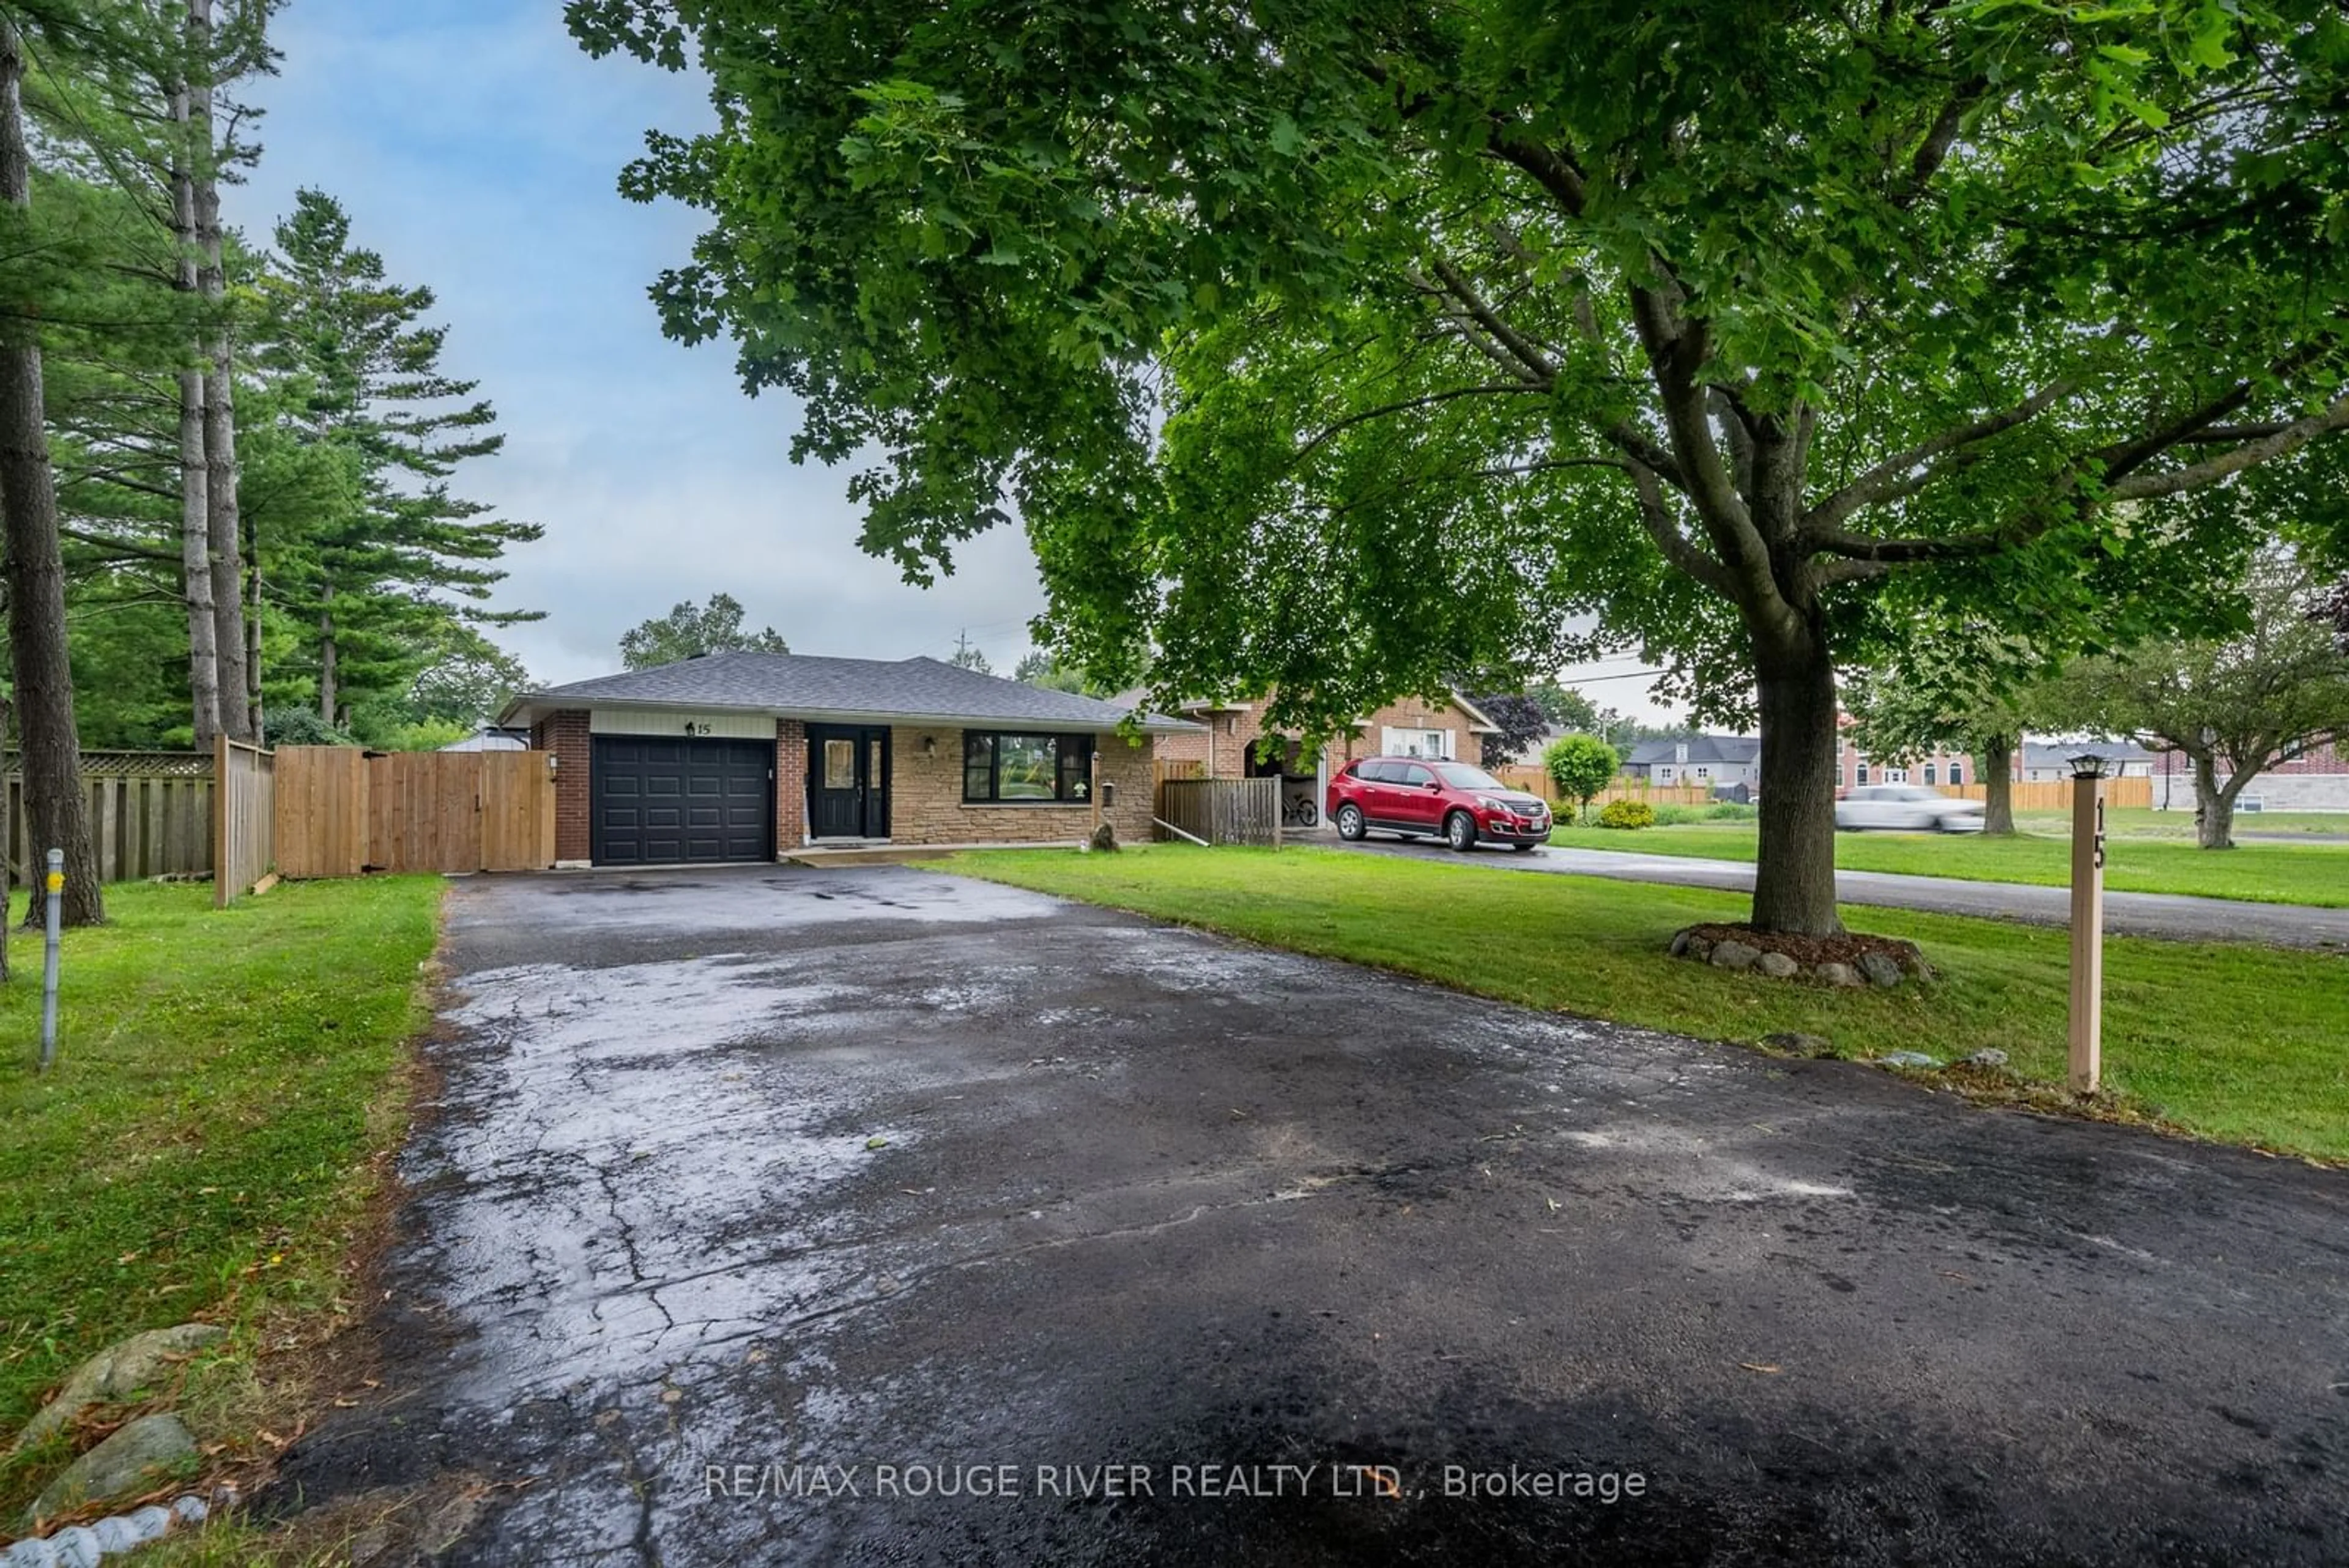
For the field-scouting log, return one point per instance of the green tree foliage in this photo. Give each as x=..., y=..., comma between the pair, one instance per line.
x=1565, y=708
x=1967, y=690
x=1039, y=667
x=967, y=655
x=377, y=580
x=2274, y=689
x=1581, y=767
x=689, y=630
x=1325, y=349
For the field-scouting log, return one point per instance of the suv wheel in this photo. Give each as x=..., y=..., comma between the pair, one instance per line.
x=1460, y=831
x=1350, y=822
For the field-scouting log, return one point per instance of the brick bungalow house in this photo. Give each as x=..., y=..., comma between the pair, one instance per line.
x=744, y=756
x=1223, y=736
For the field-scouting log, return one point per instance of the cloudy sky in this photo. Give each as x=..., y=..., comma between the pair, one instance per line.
x=476, y=147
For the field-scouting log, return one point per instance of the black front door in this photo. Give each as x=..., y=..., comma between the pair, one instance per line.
x=848, y=781
x=656, y=801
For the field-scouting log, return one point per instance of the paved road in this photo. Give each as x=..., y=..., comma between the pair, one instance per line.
x=2135, y=914
x=1154, y=1199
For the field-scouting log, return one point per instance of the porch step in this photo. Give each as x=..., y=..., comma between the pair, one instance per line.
x=868, y=855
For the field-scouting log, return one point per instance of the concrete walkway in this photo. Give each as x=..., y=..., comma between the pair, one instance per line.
x=2130, y=914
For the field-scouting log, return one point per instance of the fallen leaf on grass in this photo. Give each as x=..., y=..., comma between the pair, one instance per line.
x=1759, y=1366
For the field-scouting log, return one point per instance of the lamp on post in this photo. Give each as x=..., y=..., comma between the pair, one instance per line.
x=2088, y=921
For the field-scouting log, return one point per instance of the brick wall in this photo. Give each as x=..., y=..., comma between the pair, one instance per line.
x=1849, y=757
x=791, y=786
x=1407, y=713
x=565, y=736
x=926, y=804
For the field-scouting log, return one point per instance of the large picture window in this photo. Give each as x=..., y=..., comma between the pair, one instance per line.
x=1002, y=768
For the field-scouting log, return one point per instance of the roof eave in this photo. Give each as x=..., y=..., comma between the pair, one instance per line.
x=533, y=703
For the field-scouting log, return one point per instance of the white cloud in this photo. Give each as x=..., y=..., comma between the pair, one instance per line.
x=477, y=147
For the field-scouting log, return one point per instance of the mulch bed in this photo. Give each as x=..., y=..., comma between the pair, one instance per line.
x=1811, y=951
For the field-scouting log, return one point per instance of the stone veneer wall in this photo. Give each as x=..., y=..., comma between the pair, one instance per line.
x=926, y=804
x=565, y=736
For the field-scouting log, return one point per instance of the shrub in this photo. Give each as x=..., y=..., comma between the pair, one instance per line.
x=1627, y=814
x=302, y=727
x=1730, y=811
x=1580, y=766
x=1675, y=815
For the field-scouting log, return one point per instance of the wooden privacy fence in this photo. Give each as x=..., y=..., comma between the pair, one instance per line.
x=1524, y=776
x=150, y=815
x=341, y=812
x=1222, y=811
x=244, y=818
x=2125, y=792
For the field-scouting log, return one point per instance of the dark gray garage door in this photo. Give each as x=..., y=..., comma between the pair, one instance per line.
x=663, y=802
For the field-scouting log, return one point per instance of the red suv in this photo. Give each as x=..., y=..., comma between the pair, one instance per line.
x=1419, y=796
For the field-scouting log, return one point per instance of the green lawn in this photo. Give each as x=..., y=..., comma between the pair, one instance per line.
x=2138, y=821
x=2236, y=1042
x=2314, y=873
x=223, y=1079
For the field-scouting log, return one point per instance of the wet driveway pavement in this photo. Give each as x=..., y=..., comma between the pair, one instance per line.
x=878, y=1215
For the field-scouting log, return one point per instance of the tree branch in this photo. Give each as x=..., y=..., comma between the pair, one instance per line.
x=1678, y=548
x=1897, y=476
x=1405, y=406
x=2333, y=416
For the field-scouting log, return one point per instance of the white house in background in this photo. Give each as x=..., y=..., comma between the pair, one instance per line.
x=490, y=738
x=1701, y=761
x=2050, y=761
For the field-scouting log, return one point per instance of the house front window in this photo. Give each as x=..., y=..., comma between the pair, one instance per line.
x=1929, y=773
x=1002, y=768
x=1859, y=774
x=1957, y=772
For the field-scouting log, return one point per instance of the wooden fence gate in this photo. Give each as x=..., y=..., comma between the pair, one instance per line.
x=1222, y=811
x=341, y=812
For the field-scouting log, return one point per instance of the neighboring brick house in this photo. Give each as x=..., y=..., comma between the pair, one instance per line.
x=1940, y=770
x=745, y=757
x=1224, y=742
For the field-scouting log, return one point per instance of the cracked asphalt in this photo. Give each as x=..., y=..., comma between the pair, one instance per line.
x=770, y=1177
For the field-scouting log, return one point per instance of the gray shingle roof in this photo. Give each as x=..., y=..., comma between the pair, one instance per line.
x=1726, y=749
x=2059, y=754
x=794, y=685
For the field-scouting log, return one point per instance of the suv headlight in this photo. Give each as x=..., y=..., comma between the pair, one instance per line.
x=1490, y=803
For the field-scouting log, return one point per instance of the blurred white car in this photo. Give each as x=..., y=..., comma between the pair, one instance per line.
x=1909, y=808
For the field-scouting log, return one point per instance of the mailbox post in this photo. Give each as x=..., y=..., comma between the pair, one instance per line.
x=2087, y=1010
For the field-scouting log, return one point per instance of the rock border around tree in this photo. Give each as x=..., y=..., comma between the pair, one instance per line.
x=1852, y=962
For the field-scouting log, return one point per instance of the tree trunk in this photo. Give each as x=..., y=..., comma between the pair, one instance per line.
x=253, y=643
x=226, y=540
x=1794, y=872
x=1997, y=785
x=327, y=692
x=195, y=507
x=57, y=811
x=226, y=548
x=2214, y=806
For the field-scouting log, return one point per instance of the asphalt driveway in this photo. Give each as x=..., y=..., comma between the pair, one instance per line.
x=2171, y=915
x=877, y=1215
